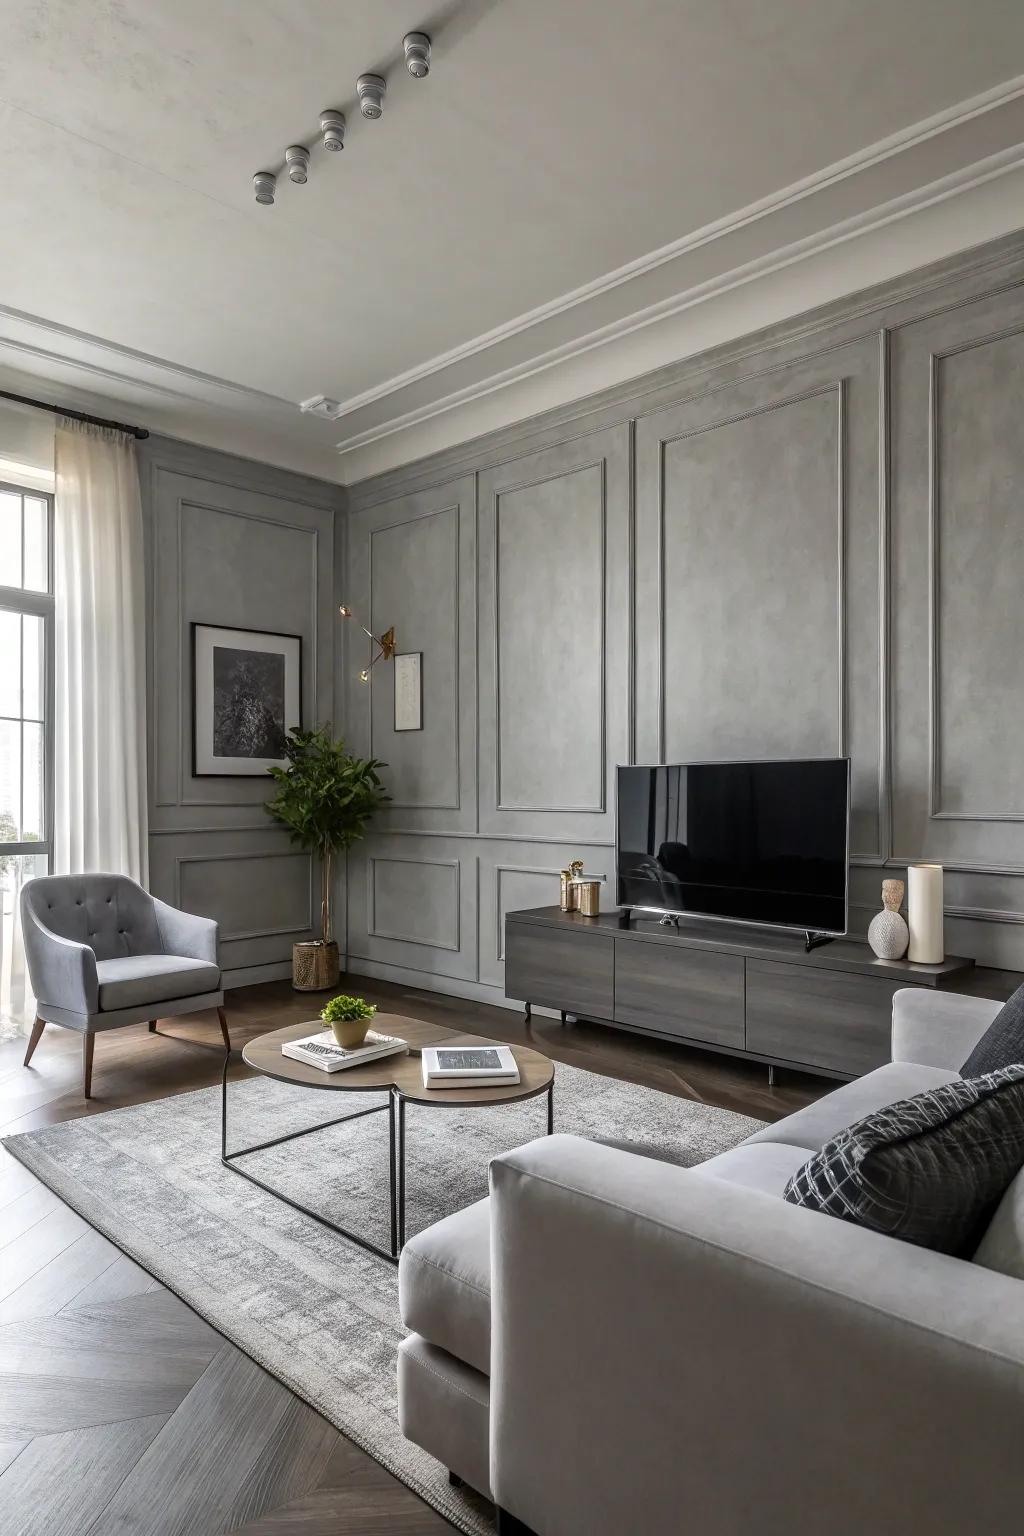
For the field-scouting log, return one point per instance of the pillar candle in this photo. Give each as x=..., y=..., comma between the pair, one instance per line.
x=924, y=914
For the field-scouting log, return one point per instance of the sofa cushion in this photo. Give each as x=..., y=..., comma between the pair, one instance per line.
x=929, y=1170
x=818, y=1123
x=1002, y=1044
x=131, y=981
x=1002, y=1246
x=444, y=1284
x=767, y=1166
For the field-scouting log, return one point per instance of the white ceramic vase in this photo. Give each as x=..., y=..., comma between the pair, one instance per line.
x=888, y=934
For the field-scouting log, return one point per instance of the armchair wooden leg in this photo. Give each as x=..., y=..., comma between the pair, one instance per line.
x=224, y=1029
x=88, y=1041
x=152, y=1026
x=34, y=1039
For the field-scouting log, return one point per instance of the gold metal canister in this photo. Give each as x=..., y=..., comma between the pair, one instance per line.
x=567, y=899
x=588, y=897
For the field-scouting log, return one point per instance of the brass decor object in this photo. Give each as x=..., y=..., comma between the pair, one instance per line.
x=588, y=897
x=315, y=966
x=385, y=643
x=579, y=892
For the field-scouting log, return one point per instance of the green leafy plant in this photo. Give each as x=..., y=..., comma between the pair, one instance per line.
x=345, y=1007
x=325, y=797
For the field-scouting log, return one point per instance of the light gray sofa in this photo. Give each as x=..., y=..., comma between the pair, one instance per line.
x=613, y=1345
x=102, y=952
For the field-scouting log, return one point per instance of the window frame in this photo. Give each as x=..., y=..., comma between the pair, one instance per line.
x=41, y=605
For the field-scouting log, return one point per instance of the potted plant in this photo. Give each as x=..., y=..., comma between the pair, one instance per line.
x=349, y=1018
x=325, y=797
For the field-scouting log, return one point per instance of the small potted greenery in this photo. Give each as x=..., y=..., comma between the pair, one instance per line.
x=349, y=1018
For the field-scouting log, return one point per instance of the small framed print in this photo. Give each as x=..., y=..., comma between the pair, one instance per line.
x=246, y=697
x=409, y=691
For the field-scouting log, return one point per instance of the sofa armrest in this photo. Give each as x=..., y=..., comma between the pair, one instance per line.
x=669, y=1349
x=183, y=933
x=938, y=1029
x=62, y=972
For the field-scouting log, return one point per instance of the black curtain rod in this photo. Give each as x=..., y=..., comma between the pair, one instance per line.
x=63, y=410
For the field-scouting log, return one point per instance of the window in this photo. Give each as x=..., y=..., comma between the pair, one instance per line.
x=26, y=712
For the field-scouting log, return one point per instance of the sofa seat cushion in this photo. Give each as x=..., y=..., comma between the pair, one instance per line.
x=817, y=1123
x=444, y=1285
x=767, y=1166
x=130, y=981
x=1002, y=1246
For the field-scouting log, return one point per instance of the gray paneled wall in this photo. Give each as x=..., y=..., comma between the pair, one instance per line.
x=232, y=543
x=811, y=541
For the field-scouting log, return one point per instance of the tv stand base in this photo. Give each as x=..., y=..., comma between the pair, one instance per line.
x=816, y=940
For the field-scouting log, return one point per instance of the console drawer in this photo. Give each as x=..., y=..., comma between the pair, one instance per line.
x=693, y=993
x=568, y=969
x=829, y=1019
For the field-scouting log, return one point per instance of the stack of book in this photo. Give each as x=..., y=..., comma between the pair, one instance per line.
x=323, y=1051
x=468, y=1066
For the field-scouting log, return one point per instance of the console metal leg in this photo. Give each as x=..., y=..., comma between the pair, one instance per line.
x=527, y=1013
x=771, y=1077
x=564, y=1016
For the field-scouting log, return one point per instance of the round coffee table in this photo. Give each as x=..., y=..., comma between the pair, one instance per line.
x=401, y=1078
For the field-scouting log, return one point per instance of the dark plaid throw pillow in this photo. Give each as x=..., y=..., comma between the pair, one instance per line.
x=929, y=1170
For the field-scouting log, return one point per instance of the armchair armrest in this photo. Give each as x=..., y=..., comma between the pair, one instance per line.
x=62, y=972
x=671, y=1348
x=938, y=1029
x=183, y=933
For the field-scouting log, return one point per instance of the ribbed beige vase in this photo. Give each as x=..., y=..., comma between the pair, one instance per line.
x=888, y=934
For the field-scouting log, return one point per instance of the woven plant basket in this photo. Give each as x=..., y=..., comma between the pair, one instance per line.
x=314, y=967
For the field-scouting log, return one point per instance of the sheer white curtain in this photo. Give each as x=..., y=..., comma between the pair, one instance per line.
x=100, y=819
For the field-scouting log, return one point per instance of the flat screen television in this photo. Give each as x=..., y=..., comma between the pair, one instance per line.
x=757, y=842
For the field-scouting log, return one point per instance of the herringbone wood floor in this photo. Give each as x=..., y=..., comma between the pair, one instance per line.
x=120, y=1409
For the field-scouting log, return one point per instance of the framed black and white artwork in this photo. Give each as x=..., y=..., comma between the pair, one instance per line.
x=246, y=697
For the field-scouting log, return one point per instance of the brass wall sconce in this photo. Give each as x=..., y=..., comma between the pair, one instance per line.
x=385, y=643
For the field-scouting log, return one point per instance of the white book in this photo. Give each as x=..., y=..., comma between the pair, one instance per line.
x=323, y=1051
x=468, y=1066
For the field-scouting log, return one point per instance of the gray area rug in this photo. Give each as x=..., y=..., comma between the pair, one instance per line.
x=315, y=1310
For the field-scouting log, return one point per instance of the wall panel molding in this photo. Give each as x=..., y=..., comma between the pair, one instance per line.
x=374, y=928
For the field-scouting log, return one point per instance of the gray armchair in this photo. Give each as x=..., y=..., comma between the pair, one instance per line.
x=103, y=952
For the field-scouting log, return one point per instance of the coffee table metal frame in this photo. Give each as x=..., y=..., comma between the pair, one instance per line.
x=395, y=1109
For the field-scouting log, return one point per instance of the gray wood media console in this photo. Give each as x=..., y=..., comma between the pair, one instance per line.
x=744, y=991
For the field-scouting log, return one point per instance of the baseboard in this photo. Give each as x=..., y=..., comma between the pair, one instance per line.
x=450, y=986
x=250, y=975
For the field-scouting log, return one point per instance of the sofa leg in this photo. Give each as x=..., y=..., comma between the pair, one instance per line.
x=152, y=1026
x=508, y=1525
x=34, y=1039
x=224, y=1029
x=455, y=1480
x=88, y=1042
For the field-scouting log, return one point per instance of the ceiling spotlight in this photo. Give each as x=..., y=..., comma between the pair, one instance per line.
x=332, y=126
x=264, y=184
x=417, y=54
x=371, y=90
x=296, y=158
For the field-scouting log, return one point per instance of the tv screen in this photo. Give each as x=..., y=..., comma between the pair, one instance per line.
x=750, y=842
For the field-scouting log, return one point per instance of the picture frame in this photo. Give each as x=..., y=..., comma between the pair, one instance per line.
x=246, y=697
x=409, y=691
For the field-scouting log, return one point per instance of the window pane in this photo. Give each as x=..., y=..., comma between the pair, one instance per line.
x=10, y=781
x=37, y=576
x=33, y=657
x=10, y=539
x=15, y=869
x=32, y=784
x=10, y=662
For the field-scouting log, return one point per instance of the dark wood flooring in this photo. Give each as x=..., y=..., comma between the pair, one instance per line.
x=120, y=1409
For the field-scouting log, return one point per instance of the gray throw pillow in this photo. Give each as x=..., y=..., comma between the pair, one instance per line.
x=1002, y=1044
x=929, y=1170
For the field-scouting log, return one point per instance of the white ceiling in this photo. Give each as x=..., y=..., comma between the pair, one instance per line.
x=554, y=142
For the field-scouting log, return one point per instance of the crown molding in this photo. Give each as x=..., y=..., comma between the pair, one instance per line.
x=1000, y=164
